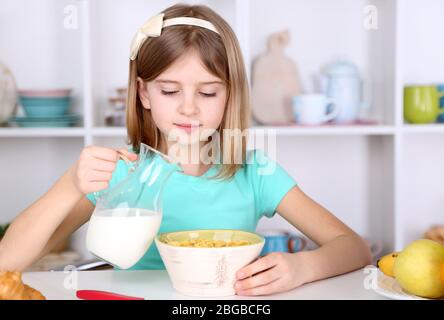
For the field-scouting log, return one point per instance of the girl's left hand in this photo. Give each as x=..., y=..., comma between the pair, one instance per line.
x=273, y=273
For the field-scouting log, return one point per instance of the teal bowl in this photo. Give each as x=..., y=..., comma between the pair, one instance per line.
x=45, y=106
x=46, y=124
x=46, y=111
x=44, y=101
x=34, y=122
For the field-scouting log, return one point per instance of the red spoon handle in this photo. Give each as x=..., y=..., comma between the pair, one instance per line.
x=102, y=295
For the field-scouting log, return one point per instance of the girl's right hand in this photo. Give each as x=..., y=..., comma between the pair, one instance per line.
x=93, y=171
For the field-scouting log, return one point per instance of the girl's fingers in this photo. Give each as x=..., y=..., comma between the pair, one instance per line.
x=259, y=265
x=259, y=279
x=99, y=176
x=102, y=165
x=103, y=153
x=96, y=165
x=270, y=288
x=131, y=156
x=98, y=186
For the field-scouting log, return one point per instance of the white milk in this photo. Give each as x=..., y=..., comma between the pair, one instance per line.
x=122, y=236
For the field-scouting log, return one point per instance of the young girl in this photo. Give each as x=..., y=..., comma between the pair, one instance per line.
x=187, y=76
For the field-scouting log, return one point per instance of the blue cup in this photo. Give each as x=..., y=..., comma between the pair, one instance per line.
x=282, y=241
x=440, y=88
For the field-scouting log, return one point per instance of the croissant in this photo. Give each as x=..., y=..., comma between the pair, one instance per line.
x=13, y=288
x=435, y=233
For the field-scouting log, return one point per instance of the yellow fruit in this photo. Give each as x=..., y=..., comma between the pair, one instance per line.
x=418, y=268
x=385, y=264
x=442, y=273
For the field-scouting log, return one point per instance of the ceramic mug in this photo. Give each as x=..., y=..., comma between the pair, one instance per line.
x=421, y=104
x=282, y=241
x=440, y=88
x=313, y=109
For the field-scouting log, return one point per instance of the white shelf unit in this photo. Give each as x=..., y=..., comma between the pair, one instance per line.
x=41, y=132
x=382, y=180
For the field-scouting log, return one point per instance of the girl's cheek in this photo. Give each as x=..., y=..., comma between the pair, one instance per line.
x=161, y=116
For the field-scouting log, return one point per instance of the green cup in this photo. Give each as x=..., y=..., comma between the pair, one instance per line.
x=421, y=104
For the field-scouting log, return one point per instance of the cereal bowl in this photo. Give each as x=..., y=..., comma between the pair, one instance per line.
x=204, y=262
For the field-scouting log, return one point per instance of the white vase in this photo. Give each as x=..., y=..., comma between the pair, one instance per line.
x=8, y=94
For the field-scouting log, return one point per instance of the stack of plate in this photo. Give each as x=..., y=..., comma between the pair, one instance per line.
x=45, y=108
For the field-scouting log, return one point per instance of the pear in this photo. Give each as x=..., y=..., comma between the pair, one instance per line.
x=419, y=268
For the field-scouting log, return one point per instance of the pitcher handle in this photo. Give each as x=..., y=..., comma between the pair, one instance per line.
x=334, y=113
x=131, y=168
x=441, y=109
x=441, y=95
x=296, y=243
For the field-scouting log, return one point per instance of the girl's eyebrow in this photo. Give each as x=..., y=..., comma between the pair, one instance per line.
x=177, y=82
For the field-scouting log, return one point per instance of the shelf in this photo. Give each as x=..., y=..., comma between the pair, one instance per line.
x=330, y=130
x=282, y=130
x=41, y=132
x=356, y=130
x=109, y=131
x=423, y=128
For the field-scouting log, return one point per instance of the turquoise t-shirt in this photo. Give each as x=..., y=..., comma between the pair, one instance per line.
x=191, y=202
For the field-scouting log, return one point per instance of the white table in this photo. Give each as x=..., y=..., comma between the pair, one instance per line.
x=156, y=285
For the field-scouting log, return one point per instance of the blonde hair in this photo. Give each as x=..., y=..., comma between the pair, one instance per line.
x=221, y=55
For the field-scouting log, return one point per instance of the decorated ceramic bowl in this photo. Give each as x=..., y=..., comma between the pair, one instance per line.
x=204, y=262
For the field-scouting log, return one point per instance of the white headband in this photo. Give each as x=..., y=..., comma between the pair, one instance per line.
x=153, y=28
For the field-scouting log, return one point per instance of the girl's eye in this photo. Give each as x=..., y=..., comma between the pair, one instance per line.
x=208, y=95
x=168, y=93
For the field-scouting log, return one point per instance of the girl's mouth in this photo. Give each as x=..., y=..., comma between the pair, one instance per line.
x=188, y=127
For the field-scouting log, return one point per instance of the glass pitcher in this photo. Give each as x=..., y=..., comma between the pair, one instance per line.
x=127, y=217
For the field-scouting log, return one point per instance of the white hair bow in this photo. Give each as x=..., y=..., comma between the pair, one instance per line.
x=153, y=28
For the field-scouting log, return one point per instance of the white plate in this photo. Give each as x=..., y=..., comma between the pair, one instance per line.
x=390, y=288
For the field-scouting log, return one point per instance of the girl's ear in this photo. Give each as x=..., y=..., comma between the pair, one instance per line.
x=143, y=93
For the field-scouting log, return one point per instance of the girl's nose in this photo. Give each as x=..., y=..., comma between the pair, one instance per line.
x=188, y=107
